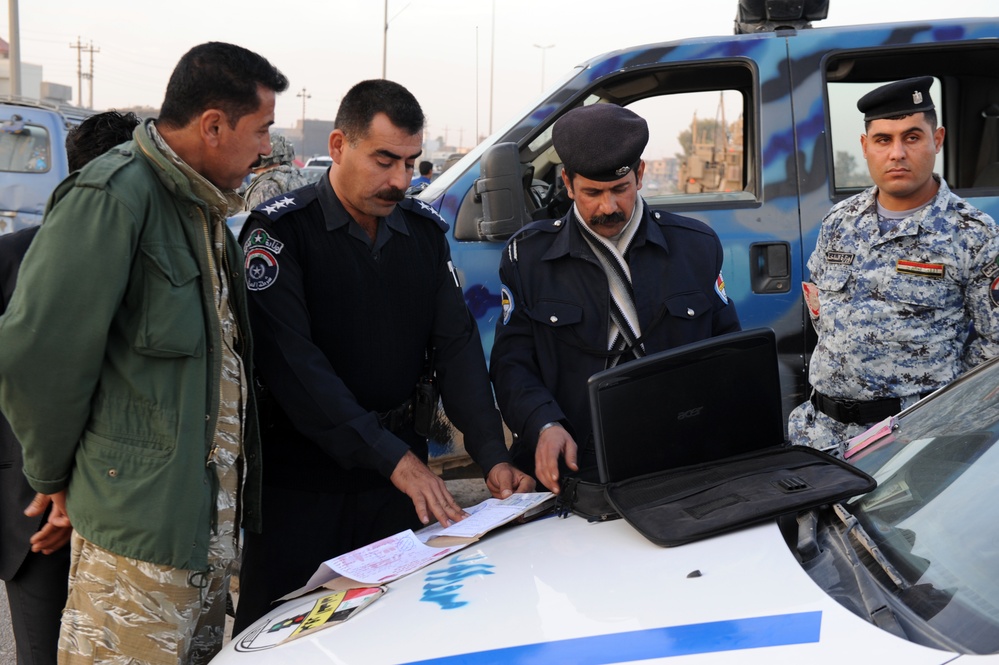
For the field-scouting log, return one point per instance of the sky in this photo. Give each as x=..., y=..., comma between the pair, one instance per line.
x=442, y=50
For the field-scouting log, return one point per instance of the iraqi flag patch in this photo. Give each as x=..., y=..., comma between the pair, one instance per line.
x=720, y=288
x=934, y=270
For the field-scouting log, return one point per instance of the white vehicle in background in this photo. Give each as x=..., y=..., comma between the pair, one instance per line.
x=321, y=161
x=908, y=573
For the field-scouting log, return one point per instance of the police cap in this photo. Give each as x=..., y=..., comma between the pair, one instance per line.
x=601, y=142
x=897, y=99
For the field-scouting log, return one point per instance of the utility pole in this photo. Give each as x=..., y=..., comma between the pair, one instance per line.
x=492, y=67
x=15, y=49
x=385, y=40
x=79, y=71
x=304, y=95
x=91, y=50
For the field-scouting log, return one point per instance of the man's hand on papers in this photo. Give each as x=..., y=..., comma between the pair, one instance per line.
x=427, y=490
x=505, y=479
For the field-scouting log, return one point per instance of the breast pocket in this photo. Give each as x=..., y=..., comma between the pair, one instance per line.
x=922, y=293
x=689, y=306
x=557, y=314
x=170, y=320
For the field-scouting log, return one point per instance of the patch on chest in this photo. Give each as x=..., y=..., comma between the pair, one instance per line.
x=839, y=258
x=920, y=269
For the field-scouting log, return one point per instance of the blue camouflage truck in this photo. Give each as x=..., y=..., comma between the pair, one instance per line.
x=782, y=97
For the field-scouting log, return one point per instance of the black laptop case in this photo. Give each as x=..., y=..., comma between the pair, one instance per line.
x=676, y=507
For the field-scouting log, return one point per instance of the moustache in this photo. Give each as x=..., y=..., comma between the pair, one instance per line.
x=391, y=194
x=612, y=219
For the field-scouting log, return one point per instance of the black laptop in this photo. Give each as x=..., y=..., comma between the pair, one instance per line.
x=690, y=442
x=697, y=403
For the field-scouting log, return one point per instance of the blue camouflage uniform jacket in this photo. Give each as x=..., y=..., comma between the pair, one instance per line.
x=896, y=312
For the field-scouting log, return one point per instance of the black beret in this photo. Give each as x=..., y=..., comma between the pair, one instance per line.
x=601, y=141
x=896, y=99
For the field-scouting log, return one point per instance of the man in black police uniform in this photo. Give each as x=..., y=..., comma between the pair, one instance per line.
x=609, y=282
x=351, y=285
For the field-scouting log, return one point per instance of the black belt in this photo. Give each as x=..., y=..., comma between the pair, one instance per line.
x=398, y=418
x=856, y=412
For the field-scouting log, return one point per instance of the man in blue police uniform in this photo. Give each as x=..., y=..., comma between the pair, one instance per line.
x=899, y=274
x=609, y=282
x=351, y=289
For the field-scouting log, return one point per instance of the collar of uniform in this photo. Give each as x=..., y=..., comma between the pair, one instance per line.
x=651, y=230
x=569, y=239
x=223, y=203
x=929, y=217
x=336, y=215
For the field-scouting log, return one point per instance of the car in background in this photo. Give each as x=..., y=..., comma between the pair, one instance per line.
x=323, y=161
x=903, y=574
x=314, y=173
x=32, y=160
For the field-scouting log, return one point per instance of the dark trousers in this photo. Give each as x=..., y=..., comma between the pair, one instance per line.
x=301, y=530
x=37, y=596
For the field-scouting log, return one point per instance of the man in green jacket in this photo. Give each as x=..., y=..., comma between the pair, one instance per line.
x=125, y=370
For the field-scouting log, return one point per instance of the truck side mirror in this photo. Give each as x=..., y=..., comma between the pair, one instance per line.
x=501, y=188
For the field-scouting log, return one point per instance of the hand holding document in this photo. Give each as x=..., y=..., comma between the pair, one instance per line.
x=405, y=552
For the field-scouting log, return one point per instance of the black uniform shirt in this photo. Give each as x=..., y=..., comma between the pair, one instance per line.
x=341, y=328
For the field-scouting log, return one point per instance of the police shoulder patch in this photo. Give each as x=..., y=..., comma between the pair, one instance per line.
x=423, y=209
x=506, y=300
x=720, y=288
x=261, y=263
x=278, y=206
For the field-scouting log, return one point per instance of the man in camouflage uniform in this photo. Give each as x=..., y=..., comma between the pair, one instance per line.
x=133, y=407
x=276, y=174
x=905, y=285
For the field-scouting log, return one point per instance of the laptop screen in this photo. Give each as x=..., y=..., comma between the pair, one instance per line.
x=697, y=403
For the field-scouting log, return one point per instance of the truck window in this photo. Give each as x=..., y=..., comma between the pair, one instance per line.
x=847, y=124
x=965, y=93
x=696, y=147
x=24, y=148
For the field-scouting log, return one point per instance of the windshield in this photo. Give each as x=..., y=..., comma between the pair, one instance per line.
x=933, y=514
x=24, y=148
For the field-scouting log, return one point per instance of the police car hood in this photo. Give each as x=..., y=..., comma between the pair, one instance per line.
x=568, y=591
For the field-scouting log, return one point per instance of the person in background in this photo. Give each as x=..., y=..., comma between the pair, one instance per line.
x=426, y=172
x=275, y=175
x=127, y=362
x=900, y=276
x=609, y=282
x=34, y=559
x=357, y=312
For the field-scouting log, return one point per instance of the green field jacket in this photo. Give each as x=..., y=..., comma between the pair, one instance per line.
x=110, y=359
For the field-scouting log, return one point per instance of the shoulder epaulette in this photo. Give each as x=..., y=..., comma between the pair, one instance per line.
x=543, y=226
x=423, y=209
x=665, y=219
x=99, y=171
x=280, y=205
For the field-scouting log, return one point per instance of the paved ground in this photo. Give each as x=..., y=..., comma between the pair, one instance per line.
x=6, y=634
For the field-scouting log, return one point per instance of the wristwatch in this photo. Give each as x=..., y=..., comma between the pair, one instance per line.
x=546, y=426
